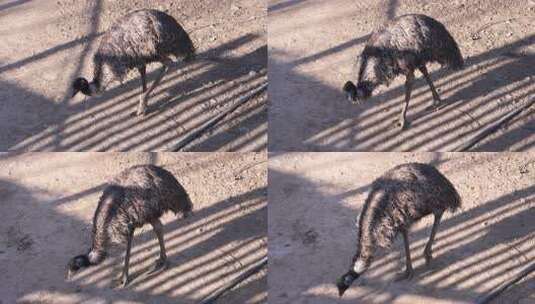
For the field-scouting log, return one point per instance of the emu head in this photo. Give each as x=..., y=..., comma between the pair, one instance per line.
x=359, y=93
x=357, y=269
x=80, y=85
x=77, y=263
x=345, y=281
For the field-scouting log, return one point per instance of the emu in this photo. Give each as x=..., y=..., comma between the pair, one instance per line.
x=399, y=47
x=135, y=40
x=400, y=197
x=137, y=196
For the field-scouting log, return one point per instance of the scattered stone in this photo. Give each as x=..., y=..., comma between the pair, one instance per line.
x=310, y=237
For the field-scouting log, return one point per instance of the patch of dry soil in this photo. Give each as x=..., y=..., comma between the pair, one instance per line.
x=313, y=49
x=314, y=201
x=48, y=201
x=48, y=43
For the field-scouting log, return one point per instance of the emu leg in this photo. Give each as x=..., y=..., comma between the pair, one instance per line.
x=142, y=107
x=142, y=72
x=428, y=251
x=436, y=98
x=407, y=275
x=408, y=88
x=158, y=230
x=124, y=278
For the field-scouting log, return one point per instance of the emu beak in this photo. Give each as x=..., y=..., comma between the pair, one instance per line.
x=345, y=281
x=74, y=92
x=342, y=287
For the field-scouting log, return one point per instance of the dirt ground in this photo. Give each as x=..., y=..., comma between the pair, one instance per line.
x=48, y=201
x=48, y=43
x=315, y=198
x=313, y=49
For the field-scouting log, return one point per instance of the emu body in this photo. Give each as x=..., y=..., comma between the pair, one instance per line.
x=135, y=40
x=138, y=196
x=400, y=197
x=401, y=46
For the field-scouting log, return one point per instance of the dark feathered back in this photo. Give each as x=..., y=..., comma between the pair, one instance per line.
x=136, y=197
x=137, y=39
x=404, y=44
x=400, y=197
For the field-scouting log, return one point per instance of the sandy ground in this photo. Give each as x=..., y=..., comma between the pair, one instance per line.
x=48, y=43
x=315, y=198
x=313, y=49
x=48, y=201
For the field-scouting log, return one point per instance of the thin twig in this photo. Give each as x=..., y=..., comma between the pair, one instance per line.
x=210, y=299
x=491, y=296
x=212, y=122
x=476, y=35
x=249, y=167
x=494, y=127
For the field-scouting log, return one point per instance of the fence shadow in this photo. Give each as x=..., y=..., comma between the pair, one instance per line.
x=12, y=4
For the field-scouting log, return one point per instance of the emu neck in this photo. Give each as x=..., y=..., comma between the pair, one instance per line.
x=373, y=71
x=93, y=88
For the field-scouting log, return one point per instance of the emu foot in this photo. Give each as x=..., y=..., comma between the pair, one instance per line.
x=435, y=106
x=402, y=124
x=123, y=281
x=159, y=265
x=406, y=275
x=142, y=107
x=141, y=112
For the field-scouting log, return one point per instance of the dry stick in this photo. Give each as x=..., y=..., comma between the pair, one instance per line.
x=476, y=35
x=497, y=292
x=493, y=127
x=249, y=167
x=197, y=133
x=242, y=277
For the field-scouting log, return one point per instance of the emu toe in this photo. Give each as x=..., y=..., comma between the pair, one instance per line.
x=123, y=281
x=402, y=124
x=433, y=107
x=142, y=107
x=408, y=274
x=159, y=265
x=141, y=112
